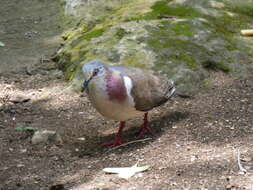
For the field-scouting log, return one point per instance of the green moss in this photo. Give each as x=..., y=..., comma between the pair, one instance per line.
x=189, y=60
x=159, y=42
x=226, y=27
x=164, y=45
x=212, y=65
x=230, y=25
x=131, y=61
x=64, y=60
x=161, y=9
x=242, y=8
x=120, y=33
x=93, y=34
x=165, y=22
x=206, y=83
x=182, y=28
x=70, y=72
x=184, y=58
x=136, y=60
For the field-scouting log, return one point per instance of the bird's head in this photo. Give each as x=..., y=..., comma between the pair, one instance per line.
x=92, y=70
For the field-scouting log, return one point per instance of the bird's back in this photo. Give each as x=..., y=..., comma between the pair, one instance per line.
x=149, y=89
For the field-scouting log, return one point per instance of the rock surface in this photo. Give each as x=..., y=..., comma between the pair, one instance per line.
x=182, y=39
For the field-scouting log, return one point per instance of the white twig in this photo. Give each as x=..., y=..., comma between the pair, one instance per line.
x=242, y=169
x=131, y=142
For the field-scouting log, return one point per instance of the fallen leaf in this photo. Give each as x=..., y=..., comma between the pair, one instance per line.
x=2, y=44
x=25, y=128
x=126, y=172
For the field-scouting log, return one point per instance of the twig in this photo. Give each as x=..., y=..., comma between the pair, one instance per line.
x=182, y=95
x=248, y=32
x=239, y=163
x=131, y=142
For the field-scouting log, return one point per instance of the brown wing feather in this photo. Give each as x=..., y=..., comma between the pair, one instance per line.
x=149, y=89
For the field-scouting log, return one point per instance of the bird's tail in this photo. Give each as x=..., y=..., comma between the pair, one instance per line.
x=171, y=89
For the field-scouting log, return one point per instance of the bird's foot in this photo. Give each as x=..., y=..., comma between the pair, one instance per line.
x=118, y=141
x=145, y=129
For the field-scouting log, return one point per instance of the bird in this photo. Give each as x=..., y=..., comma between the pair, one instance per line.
x=122, y=92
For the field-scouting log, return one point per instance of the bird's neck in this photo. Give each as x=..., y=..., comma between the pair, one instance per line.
x=115, y=86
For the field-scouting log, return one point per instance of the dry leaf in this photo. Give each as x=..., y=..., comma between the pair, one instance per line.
x=126, y=172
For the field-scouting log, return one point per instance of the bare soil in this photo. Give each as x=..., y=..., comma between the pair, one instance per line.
x=195, y=146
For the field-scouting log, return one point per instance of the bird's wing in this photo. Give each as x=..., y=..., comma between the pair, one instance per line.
x=149, y=89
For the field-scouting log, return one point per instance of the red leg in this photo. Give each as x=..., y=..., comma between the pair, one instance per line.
x=117, y=141
x=145, y=127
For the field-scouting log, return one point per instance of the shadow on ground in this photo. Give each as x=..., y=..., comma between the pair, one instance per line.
x=194, y=141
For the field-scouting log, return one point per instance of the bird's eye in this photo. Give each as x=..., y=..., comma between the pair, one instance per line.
x=95, y=72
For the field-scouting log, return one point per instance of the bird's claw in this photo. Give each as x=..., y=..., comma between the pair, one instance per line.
x=145, y=129
x=118, y=141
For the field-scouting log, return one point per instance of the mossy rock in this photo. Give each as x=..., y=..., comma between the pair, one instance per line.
x=182, y=39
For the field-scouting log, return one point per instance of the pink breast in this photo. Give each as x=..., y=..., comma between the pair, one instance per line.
x=115, y=87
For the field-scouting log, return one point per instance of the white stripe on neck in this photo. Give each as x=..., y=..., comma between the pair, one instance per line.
x=128, y=85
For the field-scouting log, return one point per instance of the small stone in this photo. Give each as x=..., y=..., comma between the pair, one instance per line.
x=90, y=117
x=23, y=150
x=5, y=168
x=56, y=74
x=193, y=158
x=20, y=165
x=46, y=136
x=29, y=70
x=241, y=172
x=246, y=159
x=19, y=99
x=217, y=4
x=174, y=127
x=81, y=139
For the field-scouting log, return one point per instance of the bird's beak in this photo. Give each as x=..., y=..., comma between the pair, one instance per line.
x=86, y=82
x=85, y=85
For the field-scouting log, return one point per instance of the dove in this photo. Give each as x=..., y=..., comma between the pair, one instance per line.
x=121, y=93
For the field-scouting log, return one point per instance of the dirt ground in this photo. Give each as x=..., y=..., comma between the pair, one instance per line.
x=196, y=140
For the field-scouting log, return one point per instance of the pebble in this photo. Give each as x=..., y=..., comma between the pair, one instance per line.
x=19, y=99
x=20, y=165
x=23, y=150
x=81, y=139
x=246, y=159
x=46, y=136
